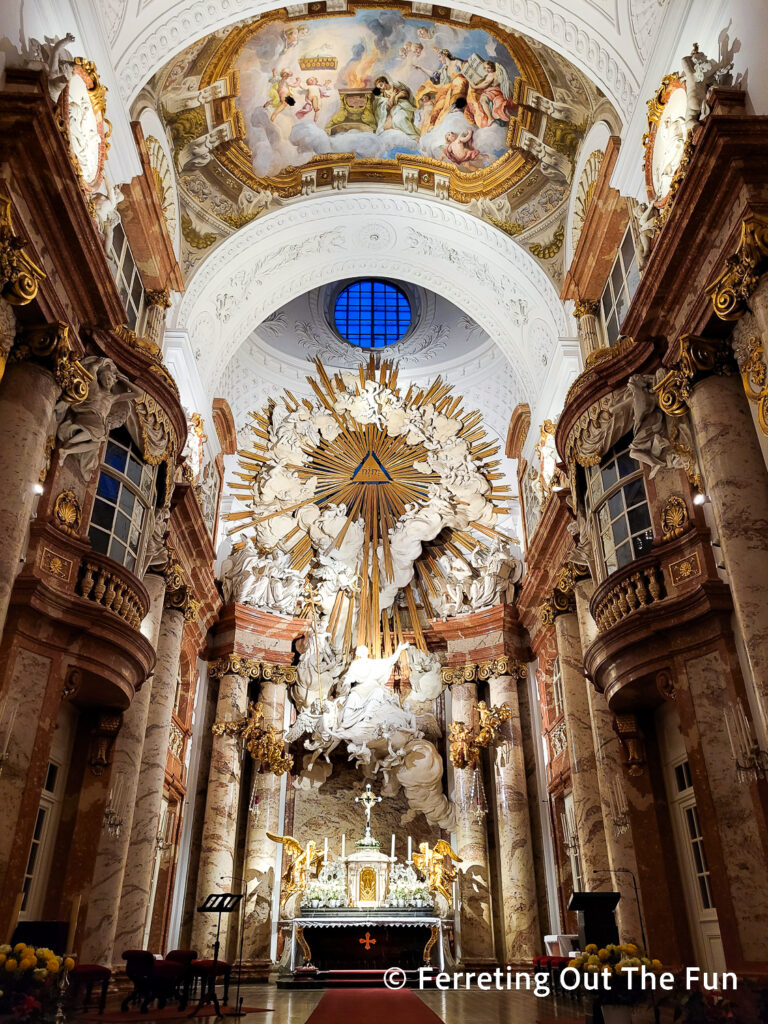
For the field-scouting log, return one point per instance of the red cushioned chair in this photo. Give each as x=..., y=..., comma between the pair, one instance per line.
x=184, y=958
x=86, y=976
x=208, y=971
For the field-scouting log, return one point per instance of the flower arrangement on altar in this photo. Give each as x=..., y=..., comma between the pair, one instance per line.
x=405, y=889
x=329, y=889
x=605, y=973
x=32, y=980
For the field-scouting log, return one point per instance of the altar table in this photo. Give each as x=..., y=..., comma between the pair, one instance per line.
x=339, y=940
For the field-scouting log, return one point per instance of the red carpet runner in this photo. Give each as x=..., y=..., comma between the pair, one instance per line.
x=373, y=1006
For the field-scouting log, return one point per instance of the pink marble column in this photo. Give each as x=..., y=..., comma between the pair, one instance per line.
x=737, y=483
x=260, y=852
x=27, y=398
x=518, y=880
x=584, y=783
x=609, y=760
x=217, y=854
x=103, y=903
x=142, y=848
x=589, y=336
x=727, y=810
x=472, y=846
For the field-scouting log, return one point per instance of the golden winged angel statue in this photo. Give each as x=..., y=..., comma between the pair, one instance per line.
x=296, y=874
x=438, y=872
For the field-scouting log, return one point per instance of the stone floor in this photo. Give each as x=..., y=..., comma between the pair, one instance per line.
x=295, y=1007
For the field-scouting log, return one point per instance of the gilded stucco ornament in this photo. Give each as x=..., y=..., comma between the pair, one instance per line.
x=178, y=590
x=751, y=358
x=733, y=288
x=562, y=601
x=454, y=675
x=81, y=106
x=20, y=277
x=264, y=743
x=674, y=518
x=67, y=513
x=465, y=742
x=51, y=345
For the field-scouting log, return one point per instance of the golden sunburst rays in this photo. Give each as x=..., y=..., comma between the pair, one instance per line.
x=369, y=472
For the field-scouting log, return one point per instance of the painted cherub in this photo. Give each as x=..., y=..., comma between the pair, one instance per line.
x=280, y=91
x=314, y=93
x=459, y=148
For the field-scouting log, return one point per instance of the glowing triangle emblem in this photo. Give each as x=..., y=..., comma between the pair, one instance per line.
x=371, y=471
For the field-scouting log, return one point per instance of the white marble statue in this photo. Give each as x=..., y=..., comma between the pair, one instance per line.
x=84, y=427
x=646, y=219
x=237, y=577
x=105, y=206
x=318, y=669
x=330, y=576
x=157, y=552
x=497, y=573
x=658, y=440
x=456, y=584
x=701, y=73
x=425, y=675
x=54, y=59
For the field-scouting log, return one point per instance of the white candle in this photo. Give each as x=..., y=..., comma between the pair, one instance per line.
x=325, y=851
x=392, y=854
x=343, y=845
x=410, y=848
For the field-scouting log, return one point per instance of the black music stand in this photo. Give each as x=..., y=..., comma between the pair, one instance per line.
x=215, y=903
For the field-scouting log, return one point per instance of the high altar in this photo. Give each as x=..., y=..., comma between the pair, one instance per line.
x=365, y=910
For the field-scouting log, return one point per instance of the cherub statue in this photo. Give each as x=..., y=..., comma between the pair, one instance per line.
x=438, y=872
x=56, y=61
x=300, y=866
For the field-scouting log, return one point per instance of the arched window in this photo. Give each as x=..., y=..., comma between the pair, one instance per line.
x=619, y=505
x=372, y=314
x=124, y=500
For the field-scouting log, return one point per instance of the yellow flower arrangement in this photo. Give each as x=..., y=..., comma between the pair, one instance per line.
x=31, y=977
x=613, y=959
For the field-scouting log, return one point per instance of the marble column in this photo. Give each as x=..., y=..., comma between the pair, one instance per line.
x=518, y=879
x=589, y=337
x=587, y=806
x=472, y=846
x=142, y=848
x=609, y=759
x=737, y=484
x=261, y=854
x=28, y=395
x=218, y=854
x=103, y=902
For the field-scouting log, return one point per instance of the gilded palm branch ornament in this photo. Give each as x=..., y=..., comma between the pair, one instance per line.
x=365, y=491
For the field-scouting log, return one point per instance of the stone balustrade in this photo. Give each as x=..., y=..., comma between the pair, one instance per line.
x=634, y=587
x=110, y=586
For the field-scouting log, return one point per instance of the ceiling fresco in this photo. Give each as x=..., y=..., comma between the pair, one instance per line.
x=280, y=107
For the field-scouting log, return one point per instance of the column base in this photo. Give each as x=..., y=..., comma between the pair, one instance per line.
x=254, y=971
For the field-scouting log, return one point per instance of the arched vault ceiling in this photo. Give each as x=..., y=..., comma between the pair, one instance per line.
x=609, y=41
x=432, y=244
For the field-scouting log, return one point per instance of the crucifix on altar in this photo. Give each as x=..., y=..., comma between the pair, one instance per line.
x=369, y=801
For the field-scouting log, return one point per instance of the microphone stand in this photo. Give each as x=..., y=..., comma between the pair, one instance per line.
x=626, y=871
x=238, y=1010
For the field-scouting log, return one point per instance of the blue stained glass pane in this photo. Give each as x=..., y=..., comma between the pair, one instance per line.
x=108, y=487
x=372, y=314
